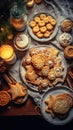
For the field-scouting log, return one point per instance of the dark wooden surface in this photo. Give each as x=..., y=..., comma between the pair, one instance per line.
x=26, y=116
x=28, y=108
x=30, y=123
x=25, y=109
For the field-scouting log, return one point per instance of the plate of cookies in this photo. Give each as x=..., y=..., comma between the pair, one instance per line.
x=42, y=27
x=57, y=105
x=43, y=67
x=17, y=91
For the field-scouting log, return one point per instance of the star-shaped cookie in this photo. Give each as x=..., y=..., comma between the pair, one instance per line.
x=17, y=90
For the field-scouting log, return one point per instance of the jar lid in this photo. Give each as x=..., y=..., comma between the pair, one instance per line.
x=16, y=12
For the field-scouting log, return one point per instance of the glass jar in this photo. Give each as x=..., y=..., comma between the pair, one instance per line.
x=18, y=18
x=7, y=54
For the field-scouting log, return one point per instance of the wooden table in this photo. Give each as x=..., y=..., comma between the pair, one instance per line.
x=29, y=107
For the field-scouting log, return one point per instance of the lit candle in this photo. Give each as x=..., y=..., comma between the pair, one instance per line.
x=30, y=3
x=8, y=54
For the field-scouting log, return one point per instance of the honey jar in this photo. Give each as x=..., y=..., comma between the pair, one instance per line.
x=18, y=18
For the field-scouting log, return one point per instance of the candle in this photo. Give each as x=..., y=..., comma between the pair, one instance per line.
x=8, y=54
x=30, y=3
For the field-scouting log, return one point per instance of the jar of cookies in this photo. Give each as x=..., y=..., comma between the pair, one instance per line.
x=18, y=17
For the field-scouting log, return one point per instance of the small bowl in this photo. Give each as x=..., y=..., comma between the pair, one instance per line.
x=65, y=39
x=66, y=25
x=22, y=45
x=68, y=52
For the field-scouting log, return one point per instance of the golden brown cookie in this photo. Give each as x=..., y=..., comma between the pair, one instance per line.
x=38, y=61
x=29, y=68
x=28, y=60
x=37, y=19
x=31, y=76
x=53, y=52
x=16, y=90
x=59, y=105
x=32, y=24
x=49, y=26
x=43, y=29
x=44, y=83
x=49, y=17
x=33, y=51
x=46, y=20
x=49, y=62
x=4, y=98
x=53, y=21
x=51, y=75
x=47, y=34
x=39, y=34
x=35, y=29
x=41, y=23
x=57, y=80
x=58, y=71
x=42, y=16
x=45, y=71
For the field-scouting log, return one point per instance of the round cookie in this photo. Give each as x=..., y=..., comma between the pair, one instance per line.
x=49, y=26
x=47, y=34
x=46, y=20
x=49, y=17
x=65, y=39
x=4, y=98
x=41, y=23
x=39, y=34
x=43, y=29
x=32, y=24
x=36, y=29
x=42, y=16
x=37, y=19
x=53, y=22
x=44, y=82
x=66, y=25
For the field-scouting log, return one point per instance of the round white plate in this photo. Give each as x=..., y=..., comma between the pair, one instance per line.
x=55, y=91
x=23, y=71
x=42, y=39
